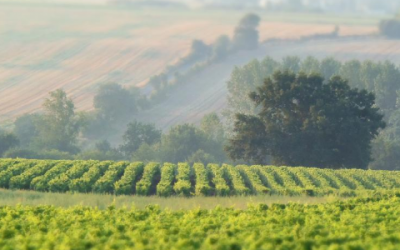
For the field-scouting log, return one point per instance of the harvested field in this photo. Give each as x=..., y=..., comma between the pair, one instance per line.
x=45, y=47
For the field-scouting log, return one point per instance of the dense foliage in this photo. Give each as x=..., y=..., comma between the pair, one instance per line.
x=390, y=28
x=181, y=143
x=124, y=178
x=380, y=78
x=7, y=141
x=304, y=121
x=355, y=224
x=246, y=34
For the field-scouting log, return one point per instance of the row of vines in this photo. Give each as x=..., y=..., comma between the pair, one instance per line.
x=369, y=223
x=125, y=178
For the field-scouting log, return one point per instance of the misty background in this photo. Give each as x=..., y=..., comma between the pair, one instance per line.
x=162, y=80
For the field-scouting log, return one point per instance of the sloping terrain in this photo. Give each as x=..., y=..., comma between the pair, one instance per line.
x=207, y=91
x=45, y=47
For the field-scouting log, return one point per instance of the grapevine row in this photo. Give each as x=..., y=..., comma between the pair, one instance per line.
x=183, y=179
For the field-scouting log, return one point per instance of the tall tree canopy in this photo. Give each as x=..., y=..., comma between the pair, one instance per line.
x=114, y=103
x=302, y=121
x=246, y=34
x=59, y=126
x=381, y=78
x=7, y=141
x=25, y=128
x=138, y=134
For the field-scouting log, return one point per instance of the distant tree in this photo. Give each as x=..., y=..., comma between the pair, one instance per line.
x=181, y=142
x=329, y=67
x=159, y=81
x=385, y=84
x=310, y=65
x=246, y=34
x=147, y=153
x=97, y=127
x=213, y=127
x=7, y=141
x=390, y=28
x=198, y=51
x=142, y=101
x=199, y=48
x=377, y=77
x=244, y=80
x=25, y=129
x=103, y=151
x=103, y=146
x=114, y=106
x=351, y=71
x=114, y=103
x=392, y=131
x=17, y=152
x=51, y=154
x=292, y=63
x=59, y=126
x=304, y=122
x=385, y=154
x=221, y=48
x=202, y=157
x=214, y=130
x=138, y=134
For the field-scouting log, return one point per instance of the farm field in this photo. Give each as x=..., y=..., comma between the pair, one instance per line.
x=370, y=223
x=46, y=47
x=165, y=180
x=102, y=201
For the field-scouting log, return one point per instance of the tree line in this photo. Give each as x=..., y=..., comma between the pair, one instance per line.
x=309, y=112
x=60, y=132
x=202, y=55
x=380, y=79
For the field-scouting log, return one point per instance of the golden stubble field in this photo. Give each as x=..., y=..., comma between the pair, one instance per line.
x=46, y=47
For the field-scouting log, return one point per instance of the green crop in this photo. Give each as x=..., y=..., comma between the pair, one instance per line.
x=370, y=223
x=124, y=178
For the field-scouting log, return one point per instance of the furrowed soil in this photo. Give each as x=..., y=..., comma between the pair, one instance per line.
x=46, y=47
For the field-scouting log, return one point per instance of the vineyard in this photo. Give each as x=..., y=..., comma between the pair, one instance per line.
x=182, y=179
x=370, y=223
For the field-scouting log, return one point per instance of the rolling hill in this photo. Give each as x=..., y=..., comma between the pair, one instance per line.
x=207, y=91
x=46, y=47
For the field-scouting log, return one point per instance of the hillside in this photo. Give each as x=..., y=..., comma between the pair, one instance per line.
x=124, y=178
x=45, y=47
x=207, y=91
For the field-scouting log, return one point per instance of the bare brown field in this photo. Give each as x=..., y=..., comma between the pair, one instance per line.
x=47, y=47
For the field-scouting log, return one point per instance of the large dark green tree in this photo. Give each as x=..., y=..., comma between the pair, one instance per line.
x=303, y=121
